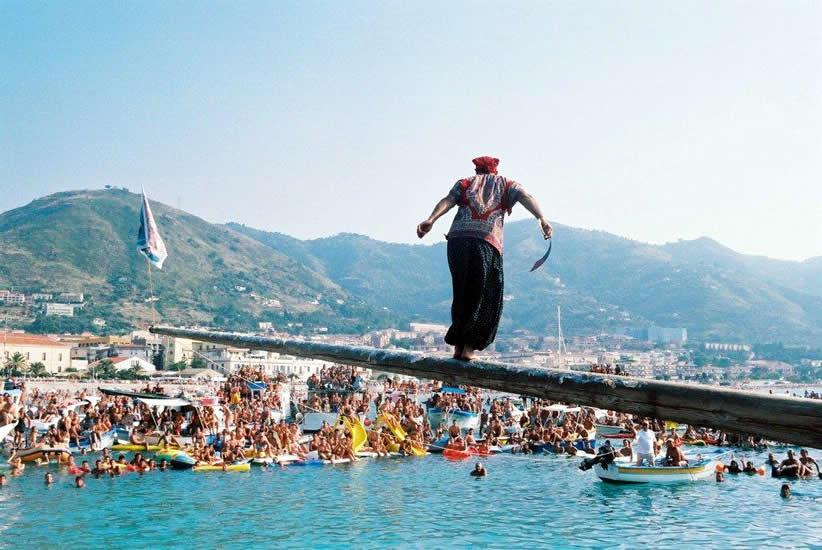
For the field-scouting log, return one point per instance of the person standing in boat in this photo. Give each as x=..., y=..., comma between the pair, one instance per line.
x=475, y=251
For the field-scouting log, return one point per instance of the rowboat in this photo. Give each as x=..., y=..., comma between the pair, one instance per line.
x=464, y=419
x=606, y=429
x=624, y=472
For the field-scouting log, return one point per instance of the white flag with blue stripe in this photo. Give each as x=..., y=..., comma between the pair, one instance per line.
x=149, y=242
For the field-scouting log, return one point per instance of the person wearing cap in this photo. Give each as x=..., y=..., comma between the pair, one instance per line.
x=475, y=251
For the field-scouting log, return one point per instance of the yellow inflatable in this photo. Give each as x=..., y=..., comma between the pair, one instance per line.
x=357, y=429
x=393, y=424
x=130, y=447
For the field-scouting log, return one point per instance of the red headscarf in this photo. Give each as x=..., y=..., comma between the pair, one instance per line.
x=486, y=165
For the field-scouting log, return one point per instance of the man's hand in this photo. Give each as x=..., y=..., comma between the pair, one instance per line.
x=424, y=228
x=547, y=228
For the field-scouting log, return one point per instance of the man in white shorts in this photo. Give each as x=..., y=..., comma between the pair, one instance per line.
x=644, y=444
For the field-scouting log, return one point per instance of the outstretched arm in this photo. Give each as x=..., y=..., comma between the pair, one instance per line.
x=532, y=206
x=445, y=204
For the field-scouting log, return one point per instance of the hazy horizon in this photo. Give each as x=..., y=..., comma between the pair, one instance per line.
x=652, y=122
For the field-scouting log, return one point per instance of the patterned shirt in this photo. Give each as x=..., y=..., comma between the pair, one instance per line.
x=483, y=200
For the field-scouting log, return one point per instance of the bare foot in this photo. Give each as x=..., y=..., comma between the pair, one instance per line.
x=467, y=353
x=457, y=352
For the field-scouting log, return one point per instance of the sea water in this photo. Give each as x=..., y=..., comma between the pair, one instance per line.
x=525, y=501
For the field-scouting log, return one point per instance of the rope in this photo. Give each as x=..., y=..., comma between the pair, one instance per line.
x=151, y=295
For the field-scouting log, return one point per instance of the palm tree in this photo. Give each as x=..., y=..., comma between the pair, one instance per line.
x=38, y=369
x=16, y=364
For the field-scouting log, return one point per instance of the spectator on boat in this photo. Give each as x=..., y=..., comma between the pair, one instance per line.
x=644, y=443
x=674, y=455
x=626, y=449
x=454, y=430
x=479, y=470
x=475, y=252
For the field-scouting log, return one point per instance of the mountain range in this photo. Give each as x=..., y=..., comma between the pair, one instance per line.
x=233, y=276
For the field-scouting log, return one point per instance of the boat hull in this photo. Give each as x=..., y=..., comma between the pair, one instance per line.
x=464, y=419
x=625, y=473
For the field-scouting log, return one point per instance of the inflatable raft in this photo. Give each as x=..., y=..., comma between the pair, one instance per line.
x=245, y=467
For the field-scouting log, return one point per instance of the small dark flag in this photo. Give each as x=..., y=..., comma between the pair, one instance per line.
x=542, y=260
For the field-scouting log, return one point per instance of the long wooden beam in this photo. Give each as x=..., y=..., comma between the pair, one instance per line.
x=786, y=419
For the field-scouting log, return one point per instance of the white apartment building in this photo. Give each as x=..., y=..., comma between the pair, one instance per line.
x=55, y=355
x=228, y=359
x=62, y=310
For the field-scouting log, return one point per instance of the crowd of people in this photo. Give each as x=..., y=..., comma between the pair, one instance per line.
x=244, y=420
x=607, y=368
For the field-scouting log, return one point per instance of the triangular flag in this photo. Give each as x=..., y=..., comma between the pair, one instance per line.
x=149, y=242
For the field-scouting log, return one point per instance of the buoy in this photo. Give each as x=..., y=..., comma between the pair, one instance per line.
x=720, y=467
x=761, y=471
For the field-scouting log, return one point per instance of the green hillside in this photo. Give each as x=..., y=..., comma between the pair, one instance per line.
x=84, y=241
x=603, y=283
x=235, y=276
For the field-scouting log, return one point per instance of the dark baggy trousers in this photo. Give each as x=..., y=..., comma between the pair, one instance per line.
x=476, y=274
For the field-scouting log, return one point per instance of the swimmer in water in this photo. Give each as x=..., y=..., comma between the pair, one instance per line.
x=49, y=478
x=79, y=482
x=785, y=491
x=479, y=470
x=720, y=477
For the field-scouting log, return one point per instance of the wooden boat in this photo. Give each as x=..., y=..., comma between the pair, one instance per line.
x=606, y=430
x=625, y=472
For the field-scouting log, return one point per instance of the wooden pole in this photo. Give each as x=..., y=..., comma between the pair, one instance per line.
x=785, y=419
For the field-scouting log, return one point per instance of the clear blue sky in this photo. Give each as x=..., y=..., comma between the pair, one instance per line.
x=652, y=120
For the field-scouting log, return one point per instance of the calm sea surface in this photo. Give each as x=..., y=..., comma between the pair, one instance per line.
x=425, y=502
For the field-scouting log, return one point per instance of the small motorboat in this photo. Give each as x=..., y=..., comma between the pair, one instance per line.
x=626, y=472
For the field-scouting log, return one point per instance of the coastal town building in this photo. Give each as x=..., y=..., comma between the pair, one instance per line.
x=125, y=363
x=71, y=297
x=59, y=309
x=228, y=360
x=12, y=298
x=54, y=354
